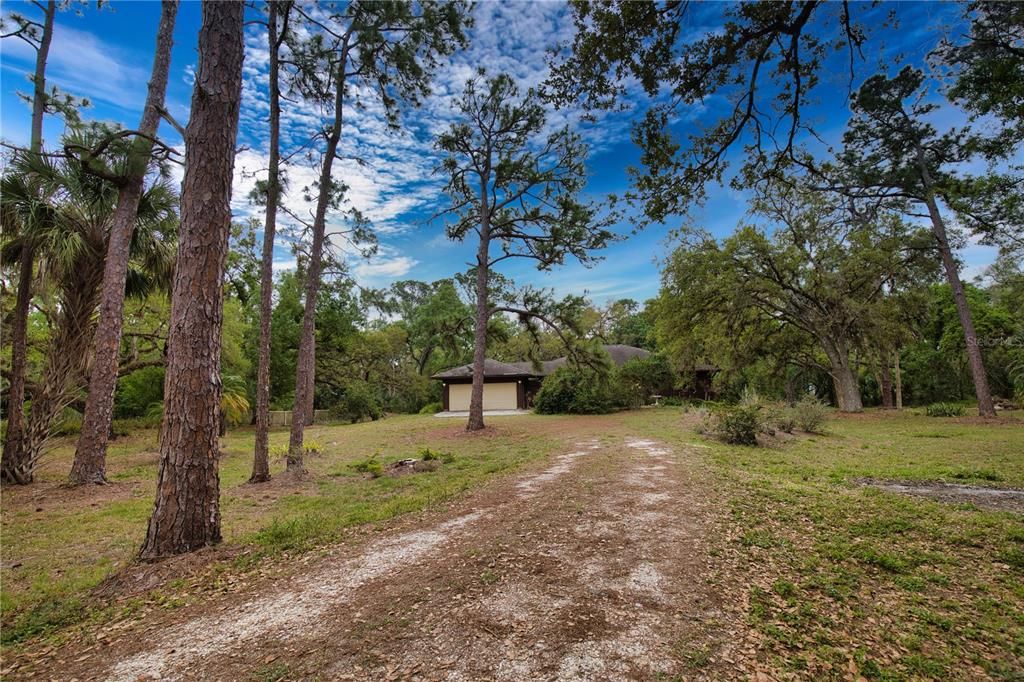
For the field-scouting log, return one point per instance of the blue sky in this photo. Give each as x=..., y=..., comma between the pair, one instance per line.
x=106, y=55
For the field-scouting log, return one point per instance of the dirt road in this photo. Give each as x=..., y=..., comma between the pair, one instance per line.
x=590, y=567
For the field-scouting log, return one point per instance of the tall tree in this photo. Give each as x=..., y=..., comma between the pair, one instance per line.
x=390, y=49
x=15, y=467
x=91, y=454
x=811, y=266
x=186, y=515
x=275, y=39
x=66, y=214
x=511, y=185
x=891, y=150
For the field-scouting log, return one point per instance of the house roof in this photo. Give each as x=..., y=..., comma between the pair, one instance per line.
x=492, y=368
x=619, y=353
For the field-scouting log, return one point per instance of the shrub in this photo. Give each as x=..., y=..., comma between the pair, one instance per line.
x=785, y=421
x=431, y=408
x=359, y=402
x=672, y=401
x=640, y=378
x=137, y=391
x=428, y=455
x=740, y=425
x=577, y=390
x=810, y=414
x=945, y=410
x=279, y=452
x=68, y=423
x=371, y=465
x=313, y=447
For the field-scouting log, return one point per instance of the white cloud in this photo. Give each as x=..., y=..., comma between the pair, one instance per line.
x=84, y=65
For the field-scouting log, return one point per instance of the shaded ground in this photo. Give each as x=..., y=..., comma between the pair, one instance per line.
x=589, y=569
x=1000, y=499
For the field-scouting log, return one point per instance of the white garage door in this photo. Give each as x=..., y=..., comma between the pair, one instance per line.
x=502, y=396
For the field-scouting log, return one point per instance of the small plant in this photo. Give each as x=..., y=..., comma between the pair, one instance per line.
x=810, y=414
x=785, y=421
x=945, y=410
x=431, y=408
x=671, y=401
x=313, y=447
x=279, y=452
x=371, y=465
x=428, y=455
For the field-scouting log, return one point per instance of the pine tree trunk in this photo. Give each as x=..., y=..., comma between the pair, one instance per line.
x=304, y=367
x=261, y=456
x=15, y=466
x=476, y=396
x=977, y=365
x=186, y=515
x=91, y=454
x=844, y=379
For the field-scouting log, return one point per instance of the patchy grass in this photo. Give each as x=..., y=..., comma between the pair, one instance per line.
x=840, y=580
x=59, y=543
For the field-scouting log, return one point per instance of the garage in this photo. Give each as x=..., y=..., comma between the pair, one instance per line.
x=497, y=396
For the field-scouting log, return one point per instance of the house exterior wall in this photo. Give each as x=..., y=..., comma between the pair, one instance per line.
x=498, y=395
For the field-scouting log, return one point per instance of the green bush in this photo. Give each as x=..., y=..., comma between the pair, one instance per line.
x=577, y=390
x=785, y=421
x=431, y=408
x=371, y=465
x=428, y=455
x=640, y=378
x=358, y=403
x=945, y=410
x=740, y=425
x=810, y=414
x=137, y=391
x=671, y=401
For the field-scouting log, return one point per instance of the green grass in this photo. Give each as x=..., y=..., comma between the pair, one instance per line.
x=71, y=545
x=908, y=588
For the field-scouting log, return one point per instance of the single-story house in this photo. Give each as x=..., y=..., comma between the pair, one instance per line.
x=511, y=385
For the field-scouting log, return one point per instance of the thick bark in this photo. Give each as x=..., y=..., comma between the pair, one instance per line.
x=985, y=406
x=476, y=396
x=304, y=370
x=91, y=454
x=844, y=379
x=186, y=515
x=261, y=455
x=885, y=383
x=16, y=466
x=898, y=380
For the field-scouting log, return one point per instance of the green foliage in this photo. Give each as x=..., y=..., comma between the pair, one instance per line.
x=640, y=378
x=739, y=425
x=810, y=414
x=370, y=465
x=945, y=410
x=137, y=391
x=428, y=455
x=431, y=408
x=359, y=402
x=313, y=447
x=234, y=403
x=577, y=390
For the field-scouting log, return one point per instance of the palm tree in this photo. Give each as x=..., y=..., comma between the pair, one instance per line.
x=64, y=211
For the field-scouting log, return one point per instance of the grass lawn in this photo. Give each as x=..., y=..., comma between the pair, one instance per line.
x=827, y=577
x=59, y=543
x=837, y=578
